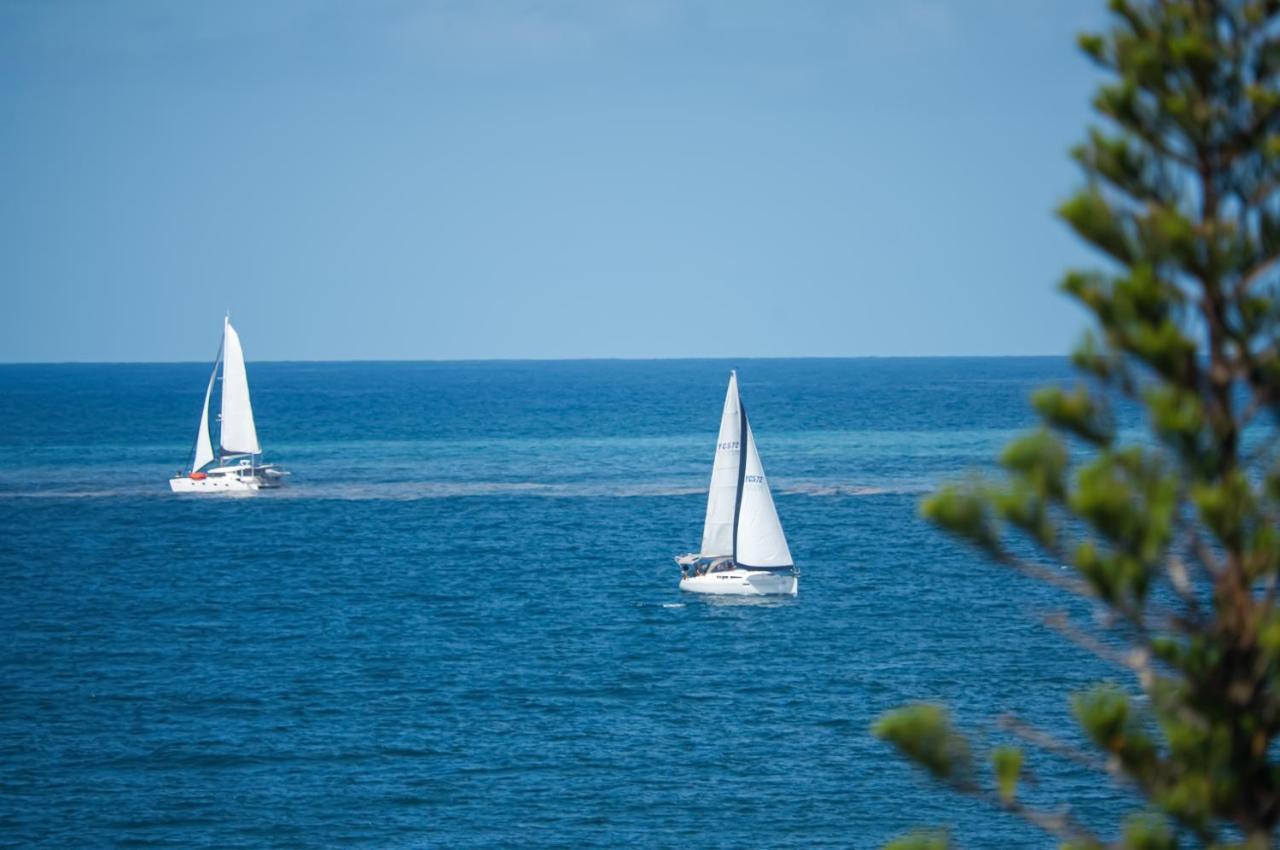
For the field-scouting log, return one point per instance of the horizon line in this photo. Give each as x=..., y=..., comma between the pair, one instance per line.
x=550, y=359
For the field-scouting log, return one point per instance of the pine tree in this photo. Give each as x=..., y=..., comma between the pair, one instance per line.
x=1176, y=536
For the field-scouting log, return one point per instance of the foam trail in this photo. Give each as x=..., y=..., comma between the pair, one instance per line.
x=415, y=490
x=812, y=488
x=419, y=490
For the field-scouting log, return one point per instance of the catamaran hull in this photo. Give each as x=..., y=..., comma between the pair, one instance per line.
x=221, y=484
x=742, y=583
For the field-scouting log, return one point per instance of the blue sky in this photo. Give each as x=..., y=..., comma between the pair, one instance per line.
x=549, y=178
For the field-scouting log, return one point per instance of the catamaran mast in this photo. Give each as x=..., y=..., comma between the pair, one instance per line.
x=222, y=347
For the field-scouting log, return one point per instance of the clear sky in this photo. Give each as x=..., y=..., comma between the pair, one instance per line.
x=538, y=178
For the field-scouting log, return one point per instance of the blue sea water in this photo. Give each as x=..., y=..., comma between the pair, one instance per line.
x=459, y=625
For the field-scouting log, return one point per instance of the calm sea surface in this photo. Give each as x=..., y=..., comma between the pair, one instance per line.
x=459, y=626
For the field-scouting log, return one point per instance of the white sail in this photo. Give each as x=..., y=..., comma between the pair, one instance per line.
x=238, y=434
x=717, y=531
x=204, y=448
x=761, y=542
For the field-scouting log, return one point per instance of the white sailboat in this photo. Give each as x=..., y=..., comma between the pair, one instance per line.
x=235, y=467
x=744, y=551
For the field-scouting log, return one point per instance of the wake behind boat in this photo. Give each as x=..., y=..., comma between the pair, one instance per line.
x=236, y=467
x=744, y=551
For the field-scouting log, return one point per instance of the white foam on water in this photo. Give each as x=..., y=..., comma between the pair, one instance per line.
x=113, y=493
x=415, y=490
x=419, y=490
x=823, y=488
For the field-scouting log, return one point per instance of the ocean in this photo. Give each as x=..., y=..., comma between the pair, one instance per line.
x=459, y=625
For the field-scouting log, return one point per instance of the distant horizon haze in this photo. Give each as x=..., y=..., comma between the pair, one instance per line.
x=560, y=180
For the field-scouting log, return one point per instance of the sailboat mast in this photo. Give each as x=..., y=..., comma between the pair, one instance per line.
x=742, y=471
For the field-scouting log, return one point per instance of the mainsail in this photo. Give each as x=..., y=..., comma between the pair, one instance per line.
x=722, y=496
x=741, y=519
x=238, y=434
x=760, y=541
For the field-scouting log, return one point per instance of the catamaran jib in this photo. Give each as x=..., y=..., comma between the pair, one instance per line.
x=236, y=465
x=744, y=551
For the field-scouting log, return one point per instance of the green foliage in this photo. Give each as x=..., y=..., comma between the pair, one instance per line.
x=924, y=840
x=964, y=512
x=1076, y=412
x=924, y=733
x=1105, y=714
x=1007, y=764
x=1149, y=832
x=1176, y=536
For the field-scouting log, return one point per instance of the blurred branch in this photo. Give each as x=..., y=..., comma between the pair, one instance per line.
x=1048, y=575
x=1048, y=742
x=1136, y=661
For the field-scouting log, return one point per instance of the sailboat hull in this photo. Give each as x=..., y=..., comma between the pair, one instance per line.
x=235, y=479
x=742, y=583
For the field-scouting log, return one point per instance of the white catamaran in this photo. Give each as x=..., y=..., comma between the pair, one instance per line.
x=744, y=551
x=236, y=466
